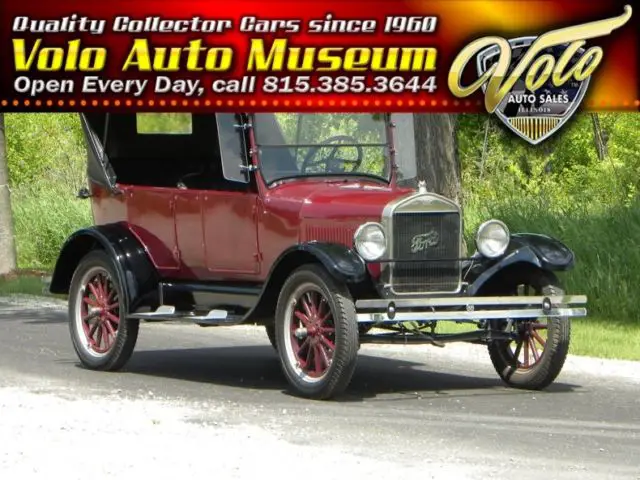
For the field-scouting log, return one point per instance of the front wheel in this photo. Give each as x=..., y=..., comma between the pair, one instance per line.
x=102, y=336
x=316, y=333
x=535, y=358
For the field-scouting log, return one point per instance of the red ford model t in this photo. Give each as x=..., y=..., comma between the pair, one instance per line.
x=296, y=222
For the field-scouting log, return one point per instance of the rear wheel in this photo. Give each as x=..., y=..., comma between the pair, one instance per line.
x=316, y=333
x=102, y=336
x=535, y=358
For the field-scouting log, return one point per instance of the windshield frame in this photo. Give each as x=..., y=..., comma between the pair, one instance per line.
x=388, y=145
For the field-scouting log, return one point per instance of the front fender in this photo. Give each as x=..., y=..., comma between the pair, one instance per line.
x=341, y=262
x=136, y=272
x=529, y=249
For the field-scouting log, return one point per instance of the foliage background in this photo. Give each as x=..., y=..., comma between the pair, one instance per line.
x=562, y=187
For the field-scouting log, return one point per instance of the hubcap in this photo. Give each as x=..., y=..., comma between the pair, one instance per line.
x=97, y=312
x=310, y=330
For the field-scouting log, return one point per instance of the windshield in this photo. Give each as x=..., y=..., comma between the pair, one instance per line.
x=322, y=144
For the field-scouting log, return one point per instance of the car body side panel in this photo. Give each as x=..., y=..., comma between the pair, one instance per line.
x=230, y=234
x=150, y=213
x=190, y=232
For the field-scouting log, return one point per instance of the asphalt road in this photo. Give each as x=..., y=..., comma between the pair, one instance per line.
x=419, y=406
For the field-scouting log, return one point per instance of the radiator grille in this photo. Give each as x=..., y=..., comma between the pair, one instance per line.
x=430, y=242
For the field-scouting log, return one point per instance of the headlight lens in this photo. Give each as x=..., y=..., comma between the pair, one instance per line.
x=492, y=239
x=370, y=241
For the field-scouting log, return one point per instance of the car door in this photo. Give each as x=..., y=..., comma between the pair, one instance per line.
x=230, y=211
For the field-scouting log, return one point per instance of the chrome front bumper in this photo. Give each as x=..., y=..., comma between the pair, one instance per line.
x=469, y=309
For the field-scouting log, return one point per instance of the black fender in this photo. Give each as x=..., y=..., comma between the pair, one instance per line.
x=342, y=263
x=526, y=250
x=135, y=270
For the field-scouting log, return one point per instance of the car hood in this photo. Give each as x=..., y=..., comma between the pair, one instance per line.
x=336, y=200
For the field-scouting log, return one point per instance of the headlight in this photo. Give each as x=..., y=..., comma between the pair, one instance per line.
x=492, y=238
x=370, y=241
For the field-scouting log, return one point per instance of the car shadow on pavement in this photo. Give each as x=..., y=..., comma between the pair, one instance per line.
x=257, y=367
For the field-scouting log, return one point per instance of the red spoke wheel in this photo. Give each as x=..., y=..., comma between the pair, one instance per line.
x=102, y=336
x=316, y=333
x=535, y=357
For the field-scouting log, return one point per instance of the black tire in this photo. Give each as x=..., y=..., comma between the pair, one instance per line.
x=339, y=329
x=271, y=335
x=113, y=352
x=547, y=366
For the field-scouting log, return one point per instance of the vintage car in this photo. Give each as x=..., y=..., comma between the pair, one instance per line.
x=297, y=222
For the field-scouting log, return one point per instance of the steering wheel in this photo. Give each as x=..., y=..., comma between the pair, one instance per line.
x=332, y=163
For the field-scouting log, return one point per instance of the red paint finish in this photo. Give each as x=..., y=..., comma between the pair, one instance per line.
x=150, y=213
x=107, y=208
x=190, y=232
x=230, y=233
x=304, y=210
x=235, y=235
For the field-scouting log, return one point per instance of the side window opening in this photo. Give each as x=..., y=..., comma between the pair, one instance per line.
x=174, y=150
x=233, y=148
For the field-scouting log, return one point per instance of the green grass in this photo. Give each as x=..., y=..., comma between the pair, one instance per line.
x=606, y=243
x=591, y=337
x=45, y=214
x=22, y=284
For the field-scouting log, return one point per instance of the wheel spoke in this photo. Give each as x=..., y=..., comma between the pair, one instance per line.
x=302, y=317
x=92, y=330
x=325, y=357
x=516, y=353
x=534, y=350
x=89, y=316
x=526, y=353
x=324, y=319
x=306, y=306
x=99, y=333
x=89, y=301
x=328, y=330
x=298, y=347
x=328, y=342
x=106, y=338
x=110, y=328
x=317, y=359
x=93, y=291
x=313, y=305
x=104, y=284
x=309, y=355
x=114, y=318
x=538, y=326
x=540, y=340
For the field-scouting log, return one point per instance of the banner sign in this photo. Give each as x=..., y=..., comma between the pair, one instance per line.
x=530, y=63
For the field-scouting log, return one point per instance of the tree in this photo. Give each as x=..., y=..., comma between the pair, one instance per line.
x=437, y=161
x=7, y=244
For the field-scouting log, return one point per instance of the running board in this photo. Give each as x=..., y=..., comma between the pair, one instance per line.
x=168, y=312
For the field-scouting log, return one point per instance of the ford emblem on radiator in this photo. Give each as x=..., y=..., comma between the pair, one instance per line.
x=421, y=242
